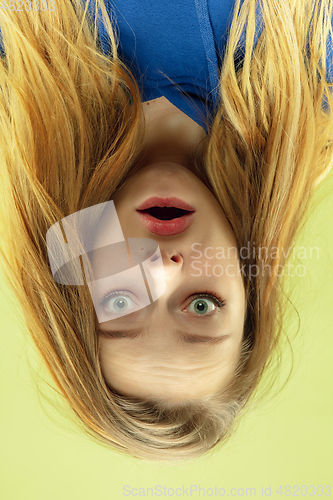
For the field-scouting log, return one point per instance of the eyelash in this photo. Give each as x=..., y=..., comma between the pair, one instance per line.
x=218, y=301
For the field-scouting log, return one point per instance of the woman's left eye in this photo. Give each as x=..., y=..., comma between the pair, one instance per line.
x=119, y=302
x=205, y=304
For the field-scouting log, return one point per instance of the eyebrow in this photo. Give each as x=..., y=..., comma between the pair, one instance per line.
x=190, y=338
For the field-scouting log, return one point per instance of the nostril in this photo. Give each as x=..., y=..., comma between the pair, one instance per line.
x=175, y=258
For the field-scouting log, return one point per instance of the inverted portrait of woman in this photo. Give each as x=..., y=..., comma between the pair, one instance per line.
x=143, y=149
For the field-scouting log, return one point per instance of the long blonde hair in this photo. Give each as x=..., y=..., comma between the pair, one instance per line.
x=71, y=135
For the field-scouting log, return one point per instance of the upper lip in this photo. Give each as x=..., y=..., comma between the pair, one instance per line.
x=156, y=201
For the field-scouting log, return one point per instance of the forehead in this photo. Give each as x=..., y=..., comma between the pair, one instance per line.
x=164, y=381
x=169, y=374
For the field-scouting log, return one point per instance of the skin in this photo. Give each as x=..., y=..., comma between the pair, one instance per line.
x=159, y=363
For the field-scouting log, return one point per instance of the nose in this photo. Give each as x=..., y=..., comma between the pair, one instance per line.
x=172, y=264
x=167, y=256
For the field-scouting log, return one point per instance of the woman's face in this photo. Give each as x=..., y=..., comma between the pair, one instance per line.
x=180, y=347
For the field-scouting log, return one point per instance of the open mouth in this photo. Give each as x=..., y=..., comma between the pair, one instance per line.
x=165, y=213
x=165, y=221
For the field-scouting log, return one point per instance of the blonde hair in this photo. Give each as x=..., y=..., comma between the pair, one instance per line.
x=71, y=135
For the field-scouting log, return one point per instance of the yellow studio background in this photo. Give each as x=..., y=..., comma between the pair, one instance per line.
x=283, y=448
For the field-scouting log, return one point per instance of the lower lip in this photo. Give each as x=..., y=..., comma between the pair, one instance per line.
x=166, y=227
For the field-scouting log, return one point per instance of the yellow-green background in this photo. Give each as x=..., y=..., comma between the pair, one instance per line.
x=286, y=441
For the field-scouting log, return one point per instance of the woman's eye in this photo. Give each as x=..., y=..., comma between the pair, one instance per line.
x=119, y=302
x=203, y=306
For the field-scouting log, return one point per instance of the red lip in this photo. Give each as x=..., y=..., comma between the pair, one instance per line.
x=166, y=227
x=155, y=201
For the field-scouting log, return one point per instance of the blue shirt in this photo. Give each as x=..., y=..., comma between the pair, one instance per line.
x=175, y=48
